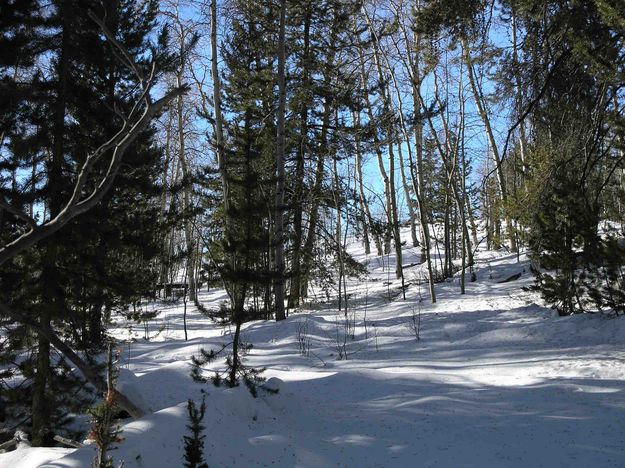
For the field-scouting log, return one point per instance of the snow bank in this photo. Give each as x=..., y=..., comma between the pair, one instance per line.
x=157, y=440
x=32, y=457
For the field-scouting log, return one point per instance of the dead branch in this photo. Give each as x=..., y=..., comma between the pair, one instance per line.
x=68, y=442
x=78, y=202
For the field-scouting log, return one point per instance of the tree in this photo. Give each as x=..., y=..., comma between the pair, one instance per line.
x=323, y=86
x=186, y=37
x=280, y=172
x=574, y=156
x=79, y=175
x=104, y=430
x=194, y=444
x=249, y=163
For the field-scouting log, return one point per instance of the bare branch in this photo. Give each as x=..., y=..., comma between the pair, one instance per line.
x=75, y=206
x=122, y=53
x=528, y=109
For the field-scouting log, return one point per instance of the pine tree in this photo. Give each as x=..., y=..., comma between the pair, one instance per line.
x=104, y=430
x=564, y=240
x=571, y=161
x=194, y=444
x=244, y=249
x=248, y=89
x=102, y=260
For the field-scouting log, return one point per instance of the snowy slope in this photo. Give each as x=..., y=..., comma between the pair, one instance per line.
x=495, y=380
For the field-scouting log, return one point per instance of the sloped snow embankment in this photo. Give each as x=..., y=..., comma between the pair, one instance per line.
x=495, y=380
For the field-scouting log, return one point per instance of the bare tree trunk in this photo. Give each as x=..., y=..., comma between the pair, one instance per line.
x=519, y=91
x=188, y=182
x=40, y=407
x=188, y=188
x=412, y=211
x=338, y=230
x=417, y=176
x=219, y=133
x=399, y=270
x=466, y=245
x=389, y=180
x=163, y=273
x=411, y=62
x=236, y=296
x=307, y=251
x=368, y=222
x=471, y=217
x=377, y=145
x=449, y=154
x=477, y=95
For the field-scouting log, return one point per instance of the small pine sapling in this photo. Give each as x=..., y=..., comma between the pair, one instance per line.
x=232, y=374
x=194, y=444
x=104, y=431
x=198, y=361
x=143, y=317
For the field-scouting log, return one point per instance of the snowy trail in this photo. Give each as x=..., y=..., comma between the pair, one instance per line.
x=496, y=380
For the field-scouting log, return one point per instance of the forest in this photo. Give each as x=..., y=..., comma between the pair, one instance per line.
x=249, y=198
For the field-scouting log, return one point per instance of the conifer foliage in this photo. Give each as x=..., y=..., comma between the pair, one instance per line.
x=576, y=158
x=194, y=443
x=104, y=430
x=78, y=83
x=234, y=372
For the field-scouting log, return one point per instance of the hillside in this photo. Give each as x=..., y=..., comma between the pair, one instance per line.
x=495, y=379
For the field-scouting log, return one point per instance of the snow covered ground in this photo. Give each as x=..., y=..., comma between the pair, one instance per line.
x=496, y=380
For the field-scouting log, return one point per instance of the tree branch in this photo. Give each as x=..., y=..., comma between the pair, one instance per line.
x=75, y=206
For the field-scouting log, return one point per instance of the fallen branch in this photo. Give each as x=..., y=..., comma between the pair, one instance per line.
x=7, y=445
x=68, y=442
x=19, y=440
x=511, y=278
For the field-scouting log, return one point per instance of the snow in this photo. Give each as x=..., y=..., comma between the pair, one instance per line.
x=32, y=456
x=496, y=380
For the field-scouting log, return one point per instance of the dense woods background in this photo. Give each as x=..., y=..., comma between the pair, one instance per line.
x=157, y=147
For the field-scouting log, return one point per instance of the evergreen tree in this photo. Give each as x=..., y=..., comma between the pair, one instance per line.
x=564, y=241
x=101, y=262
x=575, y=115
x=245, y=244
x=104, y=430
x=194, y=444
